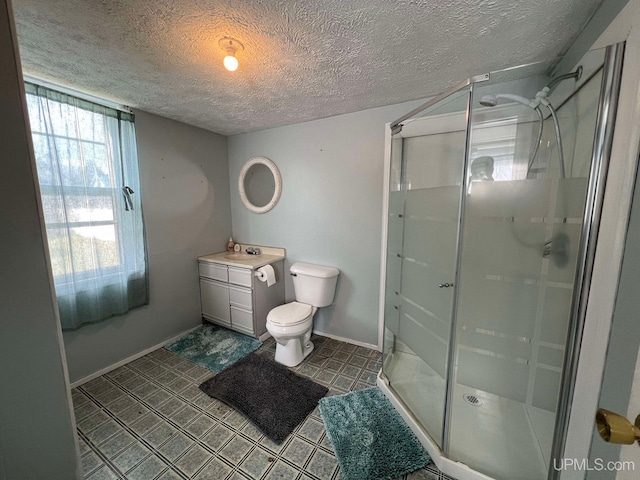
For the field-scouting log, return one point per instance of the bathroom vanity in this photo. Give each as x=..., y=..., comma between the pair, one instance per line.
x=232, y=295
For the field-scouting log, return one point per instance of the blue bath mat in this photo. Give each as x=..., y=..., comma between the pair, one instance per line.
x=369, y=437
x=214, y=347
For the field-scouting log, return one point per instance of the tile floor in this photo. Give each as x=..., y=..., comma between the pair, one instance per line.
x=149, y=420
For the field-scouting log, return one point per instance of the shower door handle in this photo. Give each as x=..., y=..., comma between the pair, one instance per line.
x=445, y=285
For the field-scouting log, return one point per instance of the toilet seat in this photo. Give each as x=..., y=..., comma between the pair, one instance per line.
x=290, y=314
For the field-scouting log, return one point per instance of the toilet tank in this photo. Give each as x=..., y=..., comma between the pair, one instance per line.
x=314, y=285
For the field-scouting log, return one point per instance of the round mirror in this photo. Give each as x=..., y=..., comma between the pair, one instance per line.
x=260, y=184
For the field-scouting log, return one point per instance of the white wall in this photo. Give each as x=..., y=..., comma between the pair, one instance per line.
x=184, y=179
x=36, y=423
x=330, y=212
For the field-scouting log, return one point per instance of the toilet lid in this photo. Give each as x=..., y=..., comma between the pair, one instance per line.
x=289, y=313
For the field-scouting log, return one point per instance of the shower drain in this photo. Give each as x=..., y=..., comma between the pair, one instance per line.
x=472, y=400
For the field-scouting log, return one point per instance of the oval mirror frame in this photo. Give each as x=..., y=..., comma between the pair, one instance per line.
x=277, y=180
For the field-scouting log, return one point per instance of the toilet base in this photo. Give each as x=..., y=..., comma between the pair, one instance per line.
x=294, y=350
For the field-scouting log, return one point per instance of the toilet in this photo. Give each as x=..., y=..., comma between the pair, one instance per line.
x=291, y=324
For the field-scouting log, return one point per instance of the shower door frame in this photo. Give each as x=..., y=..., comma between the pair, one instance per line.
x=601, y=152
x=459, y=470
x=600, y=157
x=390, y=130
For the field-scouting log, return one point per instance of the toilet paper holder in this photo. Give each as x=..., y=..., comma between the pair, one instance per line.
x=268, y=276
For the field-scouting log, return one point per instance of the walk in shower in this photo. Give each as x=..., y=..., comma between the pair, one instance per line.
x=494, y=197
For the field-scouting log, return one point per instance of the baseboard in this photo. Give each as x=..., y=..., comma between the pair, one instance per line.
x=370, y=346
x=112, y=367
x=264, y=336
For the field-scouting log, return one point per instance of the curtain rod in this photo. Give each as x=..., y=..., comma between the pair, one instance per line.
x=76, y=93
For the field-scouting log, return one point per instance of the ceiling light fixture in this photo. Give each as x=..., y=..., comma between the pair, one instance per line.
x=231, y=46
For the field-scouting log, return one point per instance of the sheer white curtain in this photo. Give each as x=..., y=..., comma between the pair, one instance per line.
x=89, y=181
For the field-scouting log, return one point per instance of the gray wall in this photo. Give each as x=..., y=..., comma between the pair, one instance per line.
x=330, y=212
x=36, y=423
x=184, y=179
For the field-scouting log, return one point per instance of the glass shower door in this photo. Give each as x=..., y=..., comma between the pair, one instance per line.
x=521, y=235
x=502, y=200
x=427, y=162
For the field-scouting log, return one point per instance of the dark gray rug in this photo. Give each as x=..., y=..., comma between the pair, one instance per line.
x=274, y=398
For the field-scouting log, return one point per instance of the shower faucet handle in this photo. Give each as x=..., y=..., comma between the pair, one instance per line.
x=445, y=285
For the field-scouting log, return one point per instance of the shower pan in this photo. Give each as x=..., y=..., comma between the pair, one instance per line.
x=490, y=226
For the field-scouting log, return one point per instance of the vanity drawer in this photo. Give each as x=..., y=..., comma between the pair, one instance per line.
x=240, y=297
x=213, y=271
x=240, y=276
x=241, y=319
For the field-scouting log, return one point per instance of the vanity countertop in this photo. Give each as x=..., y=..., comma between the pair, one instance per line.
x=243, y=260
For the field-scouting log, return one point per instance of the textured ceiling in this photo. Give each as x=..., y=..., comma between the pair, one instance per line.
x=302, y=60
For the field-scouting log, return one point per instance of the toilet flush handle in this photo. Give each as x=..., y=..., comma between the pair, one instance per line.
x=293, y=274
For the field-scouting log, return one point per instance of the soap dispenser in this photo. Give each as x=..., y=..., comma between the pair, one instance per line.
x=230, y=245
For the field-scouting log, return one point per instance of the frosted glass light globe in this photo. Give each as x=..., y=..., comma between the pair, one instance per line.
x=230, y=63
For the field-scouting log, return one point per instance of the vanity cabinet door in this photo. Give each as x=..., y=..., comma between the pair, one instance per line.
x=214, y=298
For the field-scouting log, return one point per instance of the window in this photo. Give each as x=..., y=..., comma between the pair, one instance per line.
x=87, y=169
x=509, y=142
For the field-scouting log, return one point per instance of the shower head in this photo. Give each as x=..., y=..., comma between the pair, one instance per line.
x=492, y=100
x=489, y=101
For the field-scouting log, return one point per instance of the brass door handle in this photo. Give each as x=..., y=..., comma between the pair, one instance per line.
x=615, y=428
